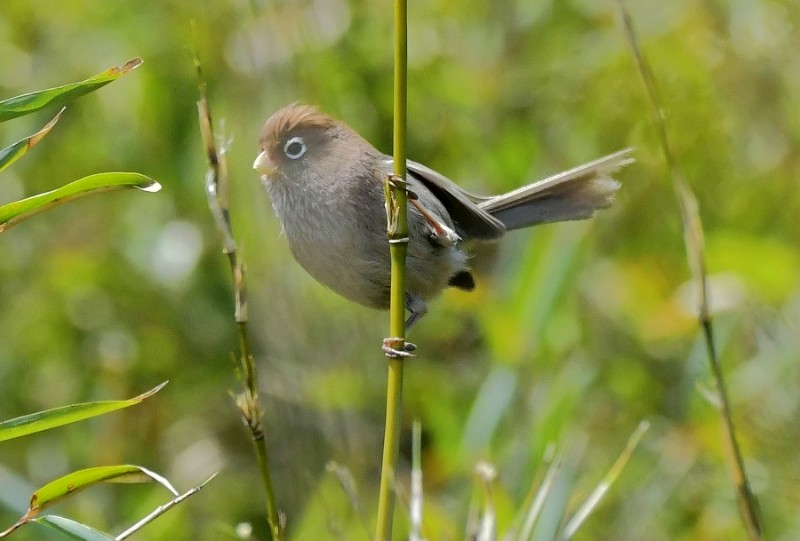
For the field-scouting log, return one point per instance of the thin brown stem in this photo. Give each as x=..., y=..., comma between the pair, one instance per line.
x=694, y=241
x=247, y=399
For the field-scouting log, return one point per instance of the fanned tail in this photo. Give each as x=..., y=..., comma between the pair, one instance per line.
x=571, y=195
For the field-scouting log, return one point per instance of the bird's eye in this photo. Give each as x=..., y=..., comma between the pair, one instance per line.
x=295, y=147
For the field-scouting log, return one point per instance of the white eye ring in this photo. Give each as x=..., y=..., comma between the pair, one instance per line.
x=295, y=148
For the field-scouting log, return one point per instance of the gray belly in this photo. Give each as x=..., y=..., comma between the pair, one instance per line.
x=345, y=247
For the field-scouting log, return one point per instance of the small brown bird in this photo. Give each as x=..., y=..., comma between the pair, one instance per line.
x=326, y=185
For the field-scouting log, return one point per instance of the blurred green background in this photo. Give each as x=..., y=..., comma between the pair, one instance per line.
x=579, y=332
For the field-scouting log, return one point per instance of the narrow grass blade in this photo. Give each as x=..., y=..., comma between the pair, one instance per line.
x=348, y=484
x=73, y=529
x=13, y=213
x=600, y=490
x=161, y=509
x=487, y=526
x=540, y=497
x=34, y=101
x=415, y=506
x=14, y=152
x=45, y=420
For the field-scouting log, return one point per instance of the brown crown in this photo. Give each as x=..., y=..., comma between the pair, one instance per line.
x=292, y=117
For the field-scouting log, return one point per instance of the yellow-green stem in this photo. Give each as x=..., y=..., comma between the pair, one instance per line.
x=398, y=244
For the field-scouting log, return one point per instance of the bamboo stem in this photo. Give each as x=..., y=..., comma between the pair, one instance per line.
x=397, y=229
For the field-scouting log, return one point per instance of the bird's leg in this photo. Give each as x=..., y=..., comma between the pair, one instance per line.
x=398, y=347
x=417, y=307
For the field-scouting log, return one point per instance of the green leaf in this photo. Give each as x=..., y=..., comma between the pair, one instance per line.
x=74, y=530
x=13, y=213
x=56, y=490
x=74, y=482
x=34, y=101
x=44, y=420
x=14, y=152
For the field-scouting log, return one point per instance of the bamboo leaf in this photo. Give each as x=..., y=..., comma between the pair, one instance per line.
x=73, y=529
x=44, y=420
x=14, y=152
x=74, y=482
x=59, y=95
x=13, y=213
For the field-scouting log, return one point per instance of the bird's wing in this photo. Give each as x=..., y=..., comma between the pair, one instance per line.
x=471, y=221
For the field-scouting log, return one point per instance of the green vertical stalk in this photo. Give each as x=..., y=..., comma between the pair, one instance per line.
x=398, y=245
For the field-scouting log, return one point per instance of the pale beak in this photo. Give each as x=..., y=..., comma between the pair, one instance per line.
x=264, y=165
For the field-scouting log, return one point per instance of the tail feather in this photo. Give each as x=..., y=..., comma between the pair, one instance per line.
x=571, y=195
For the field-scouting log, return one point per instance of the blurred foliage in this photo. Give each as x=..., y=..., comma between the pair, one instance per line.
x=579, y=332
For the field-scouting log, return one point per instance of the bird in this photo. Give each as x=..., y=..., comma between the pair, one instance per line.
x=326, y=184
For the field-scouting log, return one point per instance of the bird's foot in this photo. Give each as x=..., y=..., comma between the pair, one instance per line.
x=398, y=348
x=398, y=182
